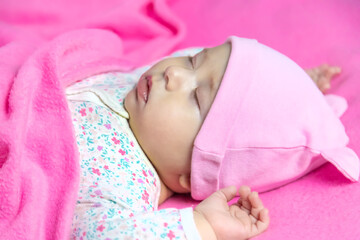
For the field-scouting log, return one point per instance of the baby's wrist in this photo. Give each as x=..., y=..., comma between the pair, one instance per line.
x=203, y=226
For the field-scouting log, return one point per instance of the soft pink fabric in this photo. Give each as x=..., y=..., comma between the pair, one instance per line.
x=268, y=125
x=322, y=205
x=39, y=163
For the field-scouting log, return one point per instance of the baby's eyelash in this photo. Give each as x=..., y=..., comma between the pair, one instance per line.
x=190, y=58
x=196, y=97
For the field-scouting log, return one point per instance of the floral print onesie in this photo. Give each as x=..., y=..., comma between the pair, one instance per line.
x=119, y=189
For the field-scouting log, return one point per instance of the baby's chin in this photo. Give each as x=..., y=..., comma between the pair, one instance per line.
x=127, y=101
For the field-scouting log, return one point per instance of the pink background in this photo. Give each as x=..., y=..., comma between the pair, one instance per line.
x=323, y=204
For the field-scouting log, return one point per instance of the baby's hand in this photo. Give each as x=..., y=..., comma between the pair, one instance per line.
x=322, y=75
x=242, y=220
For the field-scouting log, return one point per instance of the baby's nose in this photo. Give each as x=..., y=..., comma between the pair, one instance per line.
x=177, y=77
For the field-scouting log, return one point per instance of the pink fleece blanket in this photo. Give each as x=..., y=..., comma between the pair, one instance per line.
x=39, y=163
x=39, y=57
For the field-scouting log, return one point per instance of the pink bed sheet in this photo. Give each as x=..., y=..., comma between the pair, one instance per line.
x=323, y=204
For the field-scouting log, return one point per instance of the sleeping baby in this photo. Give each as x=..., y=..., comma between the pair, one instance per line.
x=230, y=120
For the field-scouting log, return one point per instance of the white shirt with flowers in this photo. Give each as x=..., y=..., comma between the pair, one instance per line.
x=119, y=189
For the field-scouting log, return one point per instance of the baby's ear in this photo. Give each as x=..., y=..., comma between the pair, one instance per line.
x=184, y=181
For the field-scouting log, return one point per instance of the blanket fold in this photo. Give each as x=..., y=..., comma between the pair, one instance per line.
x=39, y=162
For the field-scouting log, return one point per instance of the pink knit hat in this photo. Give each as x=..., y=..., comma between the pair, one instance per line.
x=269, y=125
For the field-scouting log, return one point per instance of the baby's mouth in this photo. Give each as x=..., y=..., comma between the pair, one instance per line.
x=144, y=87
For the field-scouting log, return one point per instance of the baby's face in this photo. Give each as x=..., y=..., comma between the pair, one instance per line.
x=169, y=105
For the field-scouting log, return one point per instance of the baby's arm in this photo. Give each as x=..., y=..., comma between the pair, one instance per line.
x=215, y=219
x=119, y=221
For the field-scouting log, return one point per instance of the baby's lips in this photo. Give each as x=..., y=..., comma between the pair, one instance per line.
x=149, y=84
x=142, y=88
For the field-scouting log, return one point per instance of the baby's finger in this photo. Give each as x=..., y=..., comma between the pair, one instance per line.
x=335, y=70
x=244, y=202
x=255, y=200
x=263, y=221
x=244, y=191
x=256, y=204
x=328, y=72
x=228, y=193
